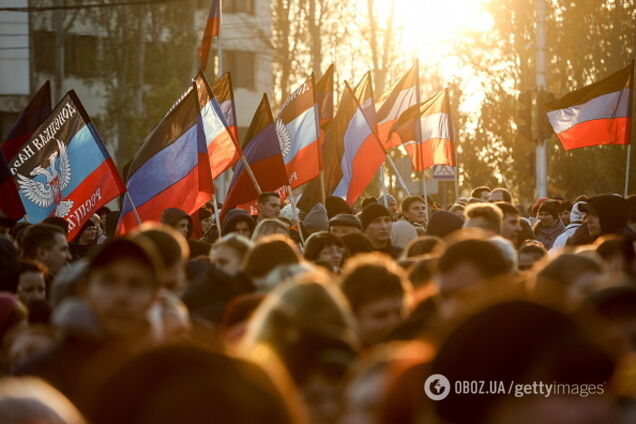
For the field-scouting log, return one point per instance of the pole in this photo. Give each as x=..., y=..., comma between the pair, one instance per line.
x=132, y=204
x=541, y=81
x=248, y=168
x=217, y=218
x=295, y=212
x=382, y=183
x=425, y=192
x=628, y=165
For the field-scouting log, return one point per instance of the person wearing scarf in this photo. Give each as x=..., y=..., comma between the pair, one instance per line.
x=549, y=225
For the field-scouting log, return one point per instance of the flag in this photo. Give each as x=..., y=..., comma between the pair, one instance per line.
x=262, y=152
x=403, y=95
x=33, y=115
x=297, y=128
x=223, y=150
x=597, y=114
x=212, y=27
x=363, y=154
x=64, y=168
x=431, y=143
x=363, y=93
x=222, y=89
x=324, y=96
x=172, y=167
x=11, y=205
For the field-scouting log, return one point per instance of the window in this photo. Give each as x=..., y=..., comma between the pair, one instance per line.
x=241, y=65
x=81, y=56
x=44, y=51
x=238, y=6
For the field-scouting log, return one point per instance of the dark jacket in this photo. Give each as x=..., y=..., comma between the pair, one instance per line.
x=390, y=250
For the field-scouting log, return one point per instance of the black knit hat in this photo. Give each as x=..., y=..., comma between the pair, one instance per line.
x=372, y=212
x=550, y=206
x=345, y=220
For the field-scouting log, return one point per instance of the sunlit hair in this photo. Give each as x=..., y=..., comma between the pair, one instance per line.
x=408, y=201
x=241, y=245
x=300, y=321
x=318, y=241
x=268, y=253
x=31, y=400
x=490, y=213
x=170, y=243
x=424, y=245
x=269, y=226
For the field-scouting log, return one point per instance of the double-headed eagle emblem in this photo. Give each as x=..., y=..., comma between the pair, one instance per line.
x=58, y=177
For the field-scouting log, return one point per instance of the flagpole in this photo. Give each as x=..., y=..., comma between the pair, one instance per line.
x=132, y=204
x=248, y=168
x=295, y=212
x=418, y=136
x=628, y=165
x=375, y=136
x=217, y=218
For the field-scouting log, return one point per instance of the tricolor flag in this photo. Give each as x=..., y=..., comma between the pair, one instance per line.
x=212, y=27
x=363, y=93
x=597, y=114
x=403, y=95
x=223, y=150
x=222, y=89
x=64, y=168
x=426, y=132
x=11, y=205
x=297, y=128
x=324, y=96
x=363, y=153
x=172, y=168
x=38, y=109
x=262, y=152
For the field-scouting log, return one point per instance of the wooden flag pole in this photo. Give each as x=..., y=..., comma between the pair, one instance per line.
x=628, y=165
x=425, y=192
x=217, y=218
x=249, y=171
x=132, y=204
x=295, y=212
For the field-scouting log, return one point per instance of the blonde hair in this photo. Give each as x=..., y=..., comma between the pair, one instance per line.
x=269, y=226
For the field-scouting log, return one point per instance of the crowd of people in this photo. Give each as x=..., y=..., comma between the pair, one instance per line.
x=332, y=315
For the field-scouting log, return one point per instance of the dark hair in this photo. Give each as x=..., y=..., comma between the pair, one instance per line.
x=263, y=197
x=476, y=192
x=172, y=248
x=198, y=248
x=565, y=268
x=140, y=250
x=565, y=205
x=507, y=208
x=370, y=277
x=423, y=270
x=534, y=249
x=482, y=254
x=631, y=207
x=357, y=243
x=28, y=265
x=423, y=245
x=409, y=200
x=318, y=241
x=58, y=222
x=271, y=251
x=39, y=236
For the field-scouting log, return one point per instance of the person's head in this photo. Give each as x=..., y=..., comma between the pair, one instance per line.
x=511, y=227
x=47, y=244
x=568, y=275
x=443, y=223
x=88, y=233
x=548, y=212
x=565, y=208
x=268, y=205
x=58, y=222
x=267, y=227
x=480, y=193
x=389, y=202
x=206, y=220
x=605, y=214
x=228, y=253
x=29, y=342
x=631, y=208
x=499, y=194
x=173, y=252
x=238, y=221
x=424, y=245
x=13, y=316
x=336, y=205
x=485, y=216
x=270, y=252
x=357, y=243
x=378, y=291
x=376, y=223
x=179, y=220
x=467, y=262
x=529, y=253
x=343, y=224
x=32, y=284
x=121, y=285
x=414, y=209
x=31, y=400
x=327, y=247
x=457, y=210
